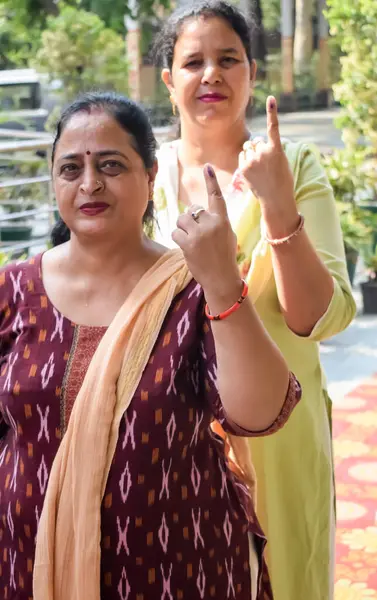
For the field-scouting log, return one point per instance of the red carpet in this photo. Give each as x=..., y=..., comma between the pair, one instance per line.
x=355, y=452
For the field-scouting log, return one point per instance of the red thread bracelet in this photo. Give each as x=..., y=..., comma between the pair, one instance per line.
x=232, y=309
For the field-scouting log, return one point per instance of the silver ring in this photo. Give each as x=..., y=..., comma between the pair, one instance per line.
x=195, y=214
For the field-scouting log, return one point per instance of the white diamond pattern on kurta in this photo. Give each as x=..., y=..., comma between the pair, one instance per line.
x=10, y=520
x=48, y=371
x=183, y=327
x=12, y=580
x=171, y=429
x=42, y=475
x=163, y=534
x=227, y=528
x=125, y=483
x=124, y=588
x=195, y=477
x=18, y=325
x=201, y=580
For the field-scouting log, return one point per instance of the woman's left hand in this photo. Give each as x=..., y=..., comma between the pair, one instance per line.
x=209, y=244
x=265, y=167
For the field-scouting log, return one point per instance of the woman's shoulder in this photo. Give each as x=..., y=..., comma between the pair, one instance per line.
x=168, y=148
x=17, y=280
x=299, y=152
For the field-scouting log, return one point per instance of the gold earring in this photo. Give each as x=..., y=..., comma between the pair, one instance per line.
x=172, y=105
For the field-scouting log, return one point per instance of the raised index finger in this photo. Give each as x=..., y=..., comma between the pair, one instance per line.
x=273, y=122
x=216, y=202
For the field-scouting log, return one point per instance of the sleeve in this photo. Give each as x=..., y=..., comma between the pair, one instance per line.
x=208, y=372
x=7, y=315
x=316, y=203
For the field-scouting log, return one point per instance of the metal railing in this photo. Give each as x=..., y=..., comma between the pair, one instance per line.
x=24, y=141
x=21, y=142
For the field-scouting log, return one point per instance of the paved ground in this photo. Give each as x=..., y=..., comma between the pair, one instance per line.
x=316, y=127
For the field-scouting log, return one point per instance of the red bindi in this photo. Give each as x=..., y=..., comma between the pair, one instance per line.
x=88, y=152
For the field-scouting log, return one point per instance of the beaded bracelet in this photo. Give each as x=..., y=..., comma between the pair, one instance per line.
x=284, y=240
x=232, y=309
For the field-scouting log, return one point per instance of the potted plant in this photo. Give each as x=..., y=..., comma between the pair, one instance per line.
x=16, y=229
x=356, y=234
x=369, y=287
x=351, y=184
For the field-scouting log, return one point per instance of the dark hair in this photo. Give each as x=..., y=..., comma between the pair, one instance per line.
x=132, y=118
x=166, y=39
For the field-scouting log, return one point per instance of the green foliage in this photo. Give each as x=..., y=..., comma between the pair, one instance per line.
x=271, y=10
x=4, y=259
x=353, y=183
x=112, y=12
x=351, y=174
x=355, y=229
x=370, y=261
x=82, y=53
x=20, y=31
x=353, y=23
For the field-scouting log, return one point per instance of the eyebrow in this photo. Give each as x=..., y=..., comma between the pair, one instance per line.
x=101, y=154
x=219, y=51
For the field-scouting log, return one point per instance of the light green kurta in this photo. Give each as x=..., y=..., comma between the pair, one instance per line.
x=294, y=467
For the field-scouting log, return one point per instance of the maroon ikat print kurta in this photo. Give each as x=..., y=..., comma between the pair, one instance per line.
x=175, y=520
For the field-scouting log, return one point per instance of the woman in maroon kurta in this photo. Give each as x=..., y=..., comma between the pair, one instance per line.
x=175, y=520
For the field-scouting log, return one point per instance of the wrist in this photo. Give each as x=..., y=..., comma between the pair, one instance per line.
x=280, y=223
x=222, y=297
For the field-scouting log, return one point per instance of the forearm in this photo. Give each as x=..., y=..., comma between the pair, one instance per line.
x=252, y=374
x=304, y=284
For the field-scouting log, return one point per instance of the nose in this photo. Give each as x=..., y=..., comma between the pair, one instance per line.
x=91, y=184
x=212, y=74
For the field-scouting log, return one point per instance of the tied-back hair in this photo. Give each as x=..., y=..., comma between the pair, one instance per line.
x=165, y=41
x=244, y=27
x=132, y=118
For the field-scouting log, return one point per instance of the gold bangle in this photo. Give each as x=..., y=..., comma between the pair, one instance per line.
x=288, y=238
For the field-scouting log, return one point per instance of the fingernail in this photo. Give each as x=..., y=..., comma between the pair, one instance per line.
x=272, y=104
x=210, y=171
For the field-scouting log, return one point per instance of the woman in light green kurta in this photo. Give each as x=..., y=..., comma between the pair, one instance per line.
x=296, y=499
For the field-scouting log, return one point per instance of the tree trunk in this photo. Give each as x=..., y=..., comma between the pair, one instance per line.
x=303, y=44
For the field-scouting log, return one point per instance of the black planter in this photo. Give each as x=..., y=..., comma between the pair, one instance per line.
x=15, y=233
x=369, y=292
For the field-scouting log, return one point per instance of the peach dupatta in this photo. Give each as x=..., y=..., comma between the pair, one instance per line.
x=68, y=555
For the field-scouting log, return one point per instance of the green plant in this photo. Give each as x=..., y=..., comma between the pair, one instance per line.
x=370, y=261
x=4, y=259
x=352, y=182
x=351, y=174
x=81, y=53
x=356, y=232
x=353, y=24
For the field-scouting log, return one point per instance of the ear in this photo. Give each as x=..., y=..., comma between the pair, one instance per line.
x=167, y=79
x=152, y=173
x=253, y=71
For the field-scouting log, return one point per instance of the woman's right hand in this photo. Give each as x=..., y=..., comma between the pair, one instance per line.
x=209, y=243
